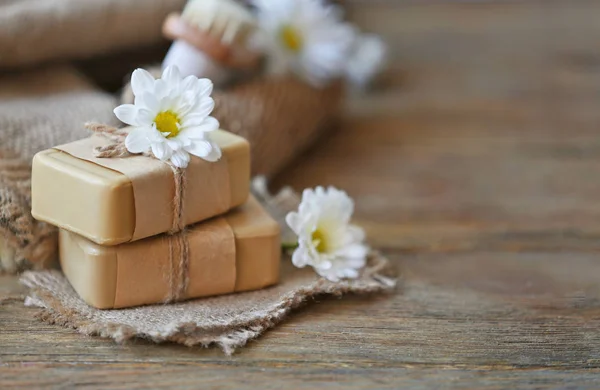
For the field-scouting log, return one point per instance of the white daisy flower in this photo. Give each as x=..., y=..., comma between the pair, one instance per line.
x=367, y=58
x=326, y=239
x=170, y=117
x=306, y=37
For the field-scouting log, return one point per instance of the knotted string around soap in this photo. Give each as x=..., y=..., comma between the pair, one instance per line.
x=179, y=255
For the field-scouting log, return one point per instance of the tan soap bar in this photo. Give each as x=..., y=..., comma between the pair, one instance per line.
x=138, y=273
x=116, y=200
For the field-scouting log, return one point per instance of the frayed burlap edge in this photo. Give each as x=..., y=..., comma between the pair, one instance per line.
x=51, y=292
x=377, y=277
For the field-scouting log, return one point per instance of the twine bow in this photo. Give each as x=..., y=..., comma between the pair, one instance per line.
x=178, y=241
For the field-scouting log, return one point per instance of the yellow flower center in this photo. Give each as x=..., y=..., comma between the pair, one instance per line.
x=291, y=38
x=167, y=122
x=319, y=241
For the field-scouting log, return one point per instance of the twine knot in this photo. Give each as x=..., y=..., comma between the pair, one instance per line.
x=117, y=137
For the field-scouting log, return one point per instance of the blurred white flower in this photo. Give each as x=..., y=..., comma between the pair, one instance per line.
x=326, y=239
x=367, y=58
x=170, y=117
x=306, y=37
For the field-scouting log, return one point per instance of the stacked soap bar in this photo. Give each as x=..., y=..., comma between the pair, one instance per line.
x=117, y=200
x=114, y=215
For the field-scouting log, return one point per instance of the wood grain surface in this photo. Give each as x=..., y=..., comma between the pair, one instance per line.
x=475, y=166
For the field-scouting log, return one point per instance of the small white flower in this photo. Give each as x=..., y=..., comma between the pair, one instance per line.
x=367, y=58
x=306, y=37
x=170, y=117
x=326, y=239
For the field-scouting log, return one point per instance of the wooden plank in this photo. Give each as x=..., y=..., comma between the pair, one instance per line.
x=157, y=375
x=483, y=311
x=421, y=182
x=526, y=309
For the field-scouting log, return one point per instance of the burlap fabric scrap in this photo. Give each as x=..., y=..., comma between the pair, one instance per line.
x=39, y=109
x=228, y=321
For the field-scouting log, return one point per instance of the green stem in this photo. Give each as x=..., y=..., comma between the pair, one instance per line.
x=288, y=246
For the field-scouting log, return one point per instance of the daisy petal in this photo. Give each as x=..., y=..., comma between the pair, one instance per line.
x=356, y=263
x=199, y=148
x=150, y=102
x=188, y=83
x=299, y=258
x=203, y=87
x=192, y=120
x=192, y=134
x=215, y=153
x=293, y=221
x=161, y=90
x=356, y=234
x=155, y=136
x=326, y=265
x=350, y=273
x=145, y=117
x=199, y=114
x=180, y=159
x=204, y=106
x=127, y=113
x=209, y=124
x=328, y=274
x=184, y=107
x=184, y=141
x=161, y=151
x=141, y=82
x=137, y=140
x=354, y=251
x=171, y=76
x=175, y=144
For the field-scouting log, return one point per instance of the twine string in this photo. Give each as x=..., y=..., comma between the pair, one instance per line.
x=177, y=235
x=179, y=256
x=117, y=137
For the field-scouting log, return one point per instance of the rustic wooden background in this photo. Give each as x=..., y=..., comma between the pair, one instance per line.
x=476, y=168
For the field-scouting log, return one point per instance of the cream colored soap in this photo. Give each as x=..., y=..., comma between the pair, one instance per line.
x=136, y=273
x=100, y=203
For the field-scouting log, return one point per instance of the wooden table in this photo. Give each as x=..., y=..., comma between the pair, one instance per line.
x=477, y=170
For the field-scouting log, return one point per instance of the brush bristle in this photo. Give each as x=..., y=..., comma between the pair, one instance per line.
x=226, y=20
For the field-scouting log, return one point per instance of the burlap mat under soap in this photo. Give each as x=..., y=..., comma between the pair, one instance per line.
x=228, y=321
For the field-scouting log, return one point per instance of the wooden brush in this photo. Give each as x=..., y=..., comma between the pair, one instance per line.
x=210, y=37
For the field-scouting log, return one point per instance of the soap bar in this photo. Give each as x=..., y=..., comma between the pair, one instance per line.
x=116, y=200
x=138, y=273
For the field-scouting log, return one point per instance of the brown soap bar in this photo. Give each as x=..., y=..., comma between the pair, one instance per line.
x=139, y=273
x=116, y=200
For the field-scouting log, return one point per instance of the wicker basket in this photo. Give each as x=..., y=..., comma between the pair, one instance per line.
x=280, y=118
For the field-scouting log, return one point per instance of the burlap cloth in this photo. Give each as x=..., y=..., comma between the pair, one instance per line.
x=228, y=321
x=38, y=109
